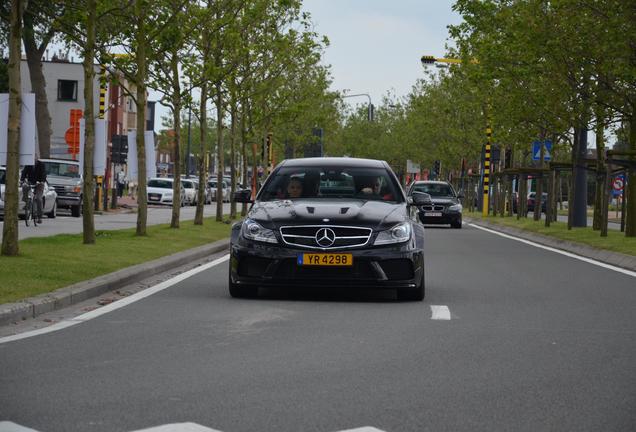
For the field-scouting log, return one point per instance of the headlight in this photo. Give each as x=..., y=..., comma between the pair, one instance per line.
x=254, y=231
x=455, y=207
x=168, y=194
x=400, y=233
x=76, y=189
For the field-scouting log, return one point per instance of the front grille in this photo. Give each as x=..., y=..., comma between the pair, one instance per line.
x=436, y=207
x=361, y=270
x=59, y=189
x=304, y=236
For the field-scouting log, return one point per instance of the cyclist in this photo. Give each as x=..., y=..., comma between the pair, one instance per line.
x=35, y=175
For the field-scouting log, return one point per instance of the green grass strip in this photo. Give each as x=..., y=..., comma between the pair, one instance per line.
x=48, y=263
x=615, y=240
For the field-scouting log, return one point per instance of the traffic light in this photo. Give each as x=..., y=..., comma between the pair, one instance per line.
x=428, y=59
x=120, y=149
x=437, y=167
x=371, y=111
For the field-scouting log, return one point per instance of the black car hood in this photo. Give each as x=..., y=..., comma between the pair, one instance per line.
x=373, y=214
x=444, y=200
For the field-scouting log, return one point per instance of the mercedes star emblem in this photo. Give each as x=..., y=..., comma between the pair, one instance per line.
x=325, y=237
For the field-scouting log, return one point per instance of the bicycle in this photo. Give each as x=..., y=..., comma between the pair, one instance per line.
x=30, y=206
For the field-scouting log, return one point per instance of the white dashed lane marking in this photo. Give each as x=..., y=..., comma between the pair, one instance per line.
x=440, y=313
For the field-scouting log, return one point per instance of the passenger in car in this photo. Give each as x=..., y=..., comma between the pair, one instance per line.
x=374, y=187
x=294, y=188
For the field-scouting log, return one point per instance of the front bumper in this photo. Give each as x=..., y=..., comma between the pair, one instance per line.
x=447, y=217
x=68, y=200
x=386, y=267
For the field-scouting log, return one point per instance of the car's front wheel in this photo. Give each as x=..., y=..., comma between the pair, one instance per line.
x=53, y=213
x=456, y=223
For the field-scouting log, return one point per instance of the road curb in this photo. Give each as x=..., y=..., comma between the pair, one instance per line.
x=63, y=297
x=614, y=258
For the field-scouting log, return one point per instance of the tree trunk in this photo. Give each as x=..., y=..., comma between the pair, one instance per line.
x=198, y=217
x=233, y=156
x=245, y=158
x=38, y=85
x=601, y=172
x=89, y=126
x=630, y=203
x=219, y=151
x=10, y=225
x=140, y=83
x=176, y=152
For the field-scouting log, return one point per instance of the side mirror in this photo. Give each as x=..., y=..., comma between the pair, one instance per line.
x=243, y=196
x=421, y=198
x=460, y=195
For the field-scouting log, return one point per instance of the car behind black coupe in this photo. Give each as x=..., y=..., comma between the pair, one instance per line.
x=319, y=222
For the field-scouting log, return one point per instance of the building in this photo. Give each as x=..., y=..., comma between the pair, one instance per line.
x=65, y=92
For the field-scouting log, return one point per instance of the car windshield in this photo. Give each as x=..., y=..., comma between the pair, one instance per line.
x=62, y=169
x=161, y=184
x=434, y=189
x=329, y=183
x=187, y=184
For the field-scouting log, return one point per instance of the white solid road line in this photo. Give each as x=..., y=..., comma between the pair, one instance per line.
x=440, y=313
x=115, y=305
x=559, y=251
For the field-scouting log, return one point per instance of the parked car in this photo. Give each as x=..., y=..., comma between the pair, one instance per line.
x=65, y=177
x=49, y=200
x=190, y=191
x=160, y=191
x=224, y=192
x=532, y=197
x=339, y=231
x=445, y=207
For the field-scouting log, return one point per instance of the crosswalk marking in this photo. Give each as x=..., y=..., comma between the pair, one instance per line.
x=7, y=426
x=440, y=313
x=178, y=427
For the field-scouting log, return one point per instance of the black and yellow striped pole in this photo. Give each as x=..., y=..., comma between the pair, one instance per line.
x=485, y=203
x=99, y=180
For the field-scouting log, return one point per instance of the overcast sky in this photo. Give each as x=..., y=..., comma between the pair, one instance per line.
x=376, y=45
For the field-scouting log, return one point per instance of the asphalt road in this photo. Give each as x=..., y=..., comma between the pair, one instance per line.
x=64, y=223
x=509, y=338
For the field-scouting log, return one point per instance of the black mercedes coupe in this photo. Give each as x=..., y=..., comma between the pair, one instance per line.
x=340, y=222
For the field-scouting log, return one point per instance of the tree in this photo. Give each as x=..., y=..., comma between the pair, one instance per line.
x=10, y=226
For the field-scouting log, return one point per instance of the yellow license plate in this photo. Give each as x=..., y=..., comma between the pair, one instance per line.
x=325, y=259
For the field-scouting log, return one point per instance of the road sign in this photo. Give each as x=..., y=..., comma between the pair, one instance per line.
x=536, y=150
x=618, y=185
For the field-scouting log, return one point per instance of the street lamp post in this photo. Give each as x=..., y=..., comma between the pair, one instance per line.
x=371, y=107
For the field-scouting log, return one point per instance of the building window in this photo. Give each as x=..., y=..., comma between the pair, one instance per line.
x=67, y=90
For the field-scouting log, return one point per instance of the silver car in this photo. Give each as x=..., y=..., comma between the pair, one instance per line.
x=49, y=204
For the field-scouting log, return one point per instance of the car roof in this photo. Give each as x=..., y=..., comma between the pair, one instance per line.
x=71, y=161
x=333, y=161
